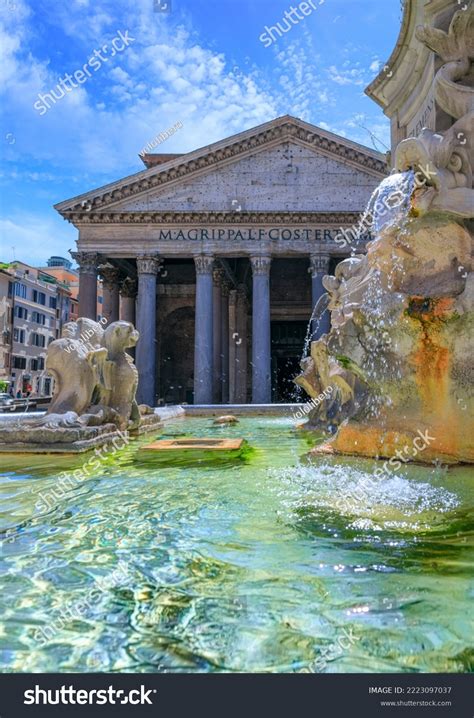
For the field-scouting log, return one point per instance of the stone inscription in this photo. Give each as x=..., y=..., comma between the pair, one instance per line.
x=251, y=234
x=426, y=117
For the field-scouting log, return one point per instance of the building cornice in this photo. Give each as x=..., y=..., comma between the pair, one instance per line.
x=177, y=219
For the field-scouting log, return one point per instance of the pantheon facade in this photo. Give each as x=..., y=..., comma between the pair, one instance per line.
x=217, y=256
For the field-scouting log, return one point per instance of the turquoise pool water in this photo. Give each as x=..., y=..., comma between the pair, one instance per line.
x=266, y=565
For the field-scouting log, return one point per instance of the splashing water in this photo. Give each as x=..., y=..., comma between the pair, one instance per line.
x=391, y=501
x=314, y=321
x=390, y=203
x=389, y=206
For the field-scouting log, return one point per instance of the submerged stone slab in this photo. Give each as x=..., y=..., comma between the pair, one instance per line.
x=186, y=445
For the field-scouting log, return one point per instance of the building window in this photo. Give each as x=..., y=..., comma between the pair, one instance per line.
x=52, y=302
x=10, y=289
x=38, y=318
x=39, y=297
x=21, y=312
x=20, y=290
x=38, y=340
x=19, y=335
x=37, y=364
x=19, y=362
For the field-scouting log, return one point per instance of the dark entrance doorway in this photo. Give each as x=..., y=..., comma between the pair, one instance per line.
x=287, y=347
x=177, y=361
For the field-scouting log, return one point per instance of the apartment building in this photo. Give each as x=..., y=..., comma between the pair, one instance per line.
x=6, y=327
x=38, y=305
x=61, y=269
x=35, y=303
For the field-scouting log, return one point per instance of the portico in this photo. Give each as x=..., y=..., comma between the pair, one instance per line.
x=225, y=249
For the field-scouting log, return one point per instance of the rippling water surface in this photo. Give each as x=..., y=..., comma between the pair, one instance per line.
x=271, y=564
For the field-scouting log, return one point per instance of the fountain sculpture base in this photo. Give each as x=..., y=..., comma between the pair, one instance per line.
x=398, y=362
x=423, y=445
x=69, y=440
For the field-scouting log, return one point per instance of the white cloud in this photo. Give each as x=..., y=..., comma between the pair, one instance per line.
x=173, y=79
x=354, y=76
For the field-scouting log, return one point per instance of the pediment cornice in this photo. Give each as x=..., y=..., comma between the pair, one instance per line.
x=236, y=147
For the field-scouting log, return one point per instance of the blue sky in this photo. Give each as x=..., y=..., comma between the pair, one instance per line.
x=202, y=65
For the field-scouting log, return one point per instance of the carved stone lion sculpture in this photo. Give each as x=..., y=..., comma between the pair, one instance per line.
x=75, y=363
x=121, y=373
x=95, y=379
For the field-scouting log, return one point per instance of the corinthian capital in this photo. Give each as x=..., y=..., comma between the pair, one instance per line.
x=110, y=274
x=218, y=276
x=242, y=293
x=204, y=263
x=128, y=288
x=87, y=261
x=261, y=264
x=319, y=265
x=148, y=264
x=225, y=288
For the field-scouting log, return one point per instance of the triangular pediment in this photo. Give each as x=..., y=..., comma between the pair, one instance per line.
x=285, y=164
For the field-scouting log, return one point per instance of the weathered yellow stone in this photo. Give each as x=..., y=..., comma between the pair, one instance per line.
x=180, y=445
